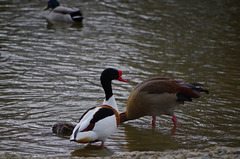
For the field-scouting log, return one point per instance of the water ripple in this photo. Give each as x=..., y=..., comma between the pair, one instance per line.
x=50, y=73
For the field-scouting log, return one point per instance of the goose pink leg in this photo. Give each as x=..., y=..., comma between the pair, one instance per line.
x=174, y=119
x=153, y=121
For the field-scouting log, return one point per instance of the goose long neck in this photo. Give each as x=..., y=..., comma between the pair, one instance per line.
x=107, y=86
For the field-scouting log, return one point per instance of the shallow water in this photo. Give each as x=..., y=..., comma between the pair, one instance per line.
x=50, y=73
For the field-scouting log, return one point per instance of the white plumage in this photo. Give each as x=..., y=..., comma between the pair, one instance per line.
x=99, y=122
x=62, y=14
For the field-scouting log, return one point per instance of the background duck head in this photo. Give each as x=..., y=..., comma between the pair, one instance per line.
x=52, y=4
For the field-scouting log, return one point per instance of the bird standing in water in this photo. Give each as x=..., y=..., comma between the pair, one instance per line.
x=158, y=96
x=99, y=122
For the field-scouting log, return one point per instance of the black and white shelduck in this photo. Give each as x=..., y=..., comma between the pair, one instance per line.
x=99, y=122
x=62, y=14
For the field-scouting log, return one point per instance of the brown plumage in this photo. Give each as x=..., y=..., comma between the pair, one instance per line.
x=115, y=112
x=159, y=96
x=63, y=129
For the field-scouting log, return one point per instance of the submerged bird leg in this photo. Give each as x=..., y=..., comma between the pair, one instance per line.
x=173, y=131
x=102, y=145
x=153, y=122
x=174, y=119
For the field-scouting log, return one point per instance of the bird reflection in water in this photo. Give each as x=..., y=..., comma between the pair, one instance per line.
x=92, y=151
x=142, y=139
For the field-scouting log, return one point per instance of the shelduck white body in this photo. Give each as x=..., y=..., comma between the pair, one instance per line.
x=99, y=122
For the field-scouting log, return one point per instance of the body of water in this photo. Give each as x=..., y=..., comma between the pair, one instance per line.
x=50, y=73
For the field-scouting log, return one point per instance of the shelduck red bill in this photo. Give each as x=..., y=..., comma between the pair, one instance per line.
x=120, y=76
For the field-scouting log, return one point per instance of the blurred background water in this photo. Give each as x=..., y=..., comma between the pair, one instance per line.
x=50, y=73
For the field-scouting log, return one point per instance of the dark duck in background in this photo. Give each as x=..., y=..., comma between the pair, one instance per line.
x=62, y=14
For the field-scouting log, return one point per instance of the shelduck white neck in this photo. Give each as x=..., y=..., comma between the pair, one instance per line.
x=111, y=102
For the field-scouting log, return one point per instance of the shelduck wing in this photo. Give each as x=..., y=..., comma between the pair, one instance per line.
x=89, y=112
x=90, y=118
x=102, y=113
x=84, y=121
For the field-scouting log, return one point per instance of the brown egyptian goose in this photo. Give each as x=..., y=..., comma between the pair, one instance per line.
x=158, y=96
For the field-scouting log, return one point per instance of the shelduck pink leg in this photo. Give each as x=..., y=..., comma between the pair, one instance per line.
x=174, y=119
x=153, y=121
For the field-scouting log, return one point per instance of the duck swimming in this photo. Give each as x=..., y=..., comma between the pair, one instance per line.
x=63, y=129
x=99, y=122
x=158, y=96
x=62, y=14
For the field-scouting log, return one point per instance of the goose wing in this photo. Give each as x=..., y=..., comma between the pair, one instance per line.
x=184, y=91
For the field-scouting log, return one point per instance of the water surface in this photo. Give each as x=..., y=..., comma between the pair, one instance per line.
x=50, y=73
